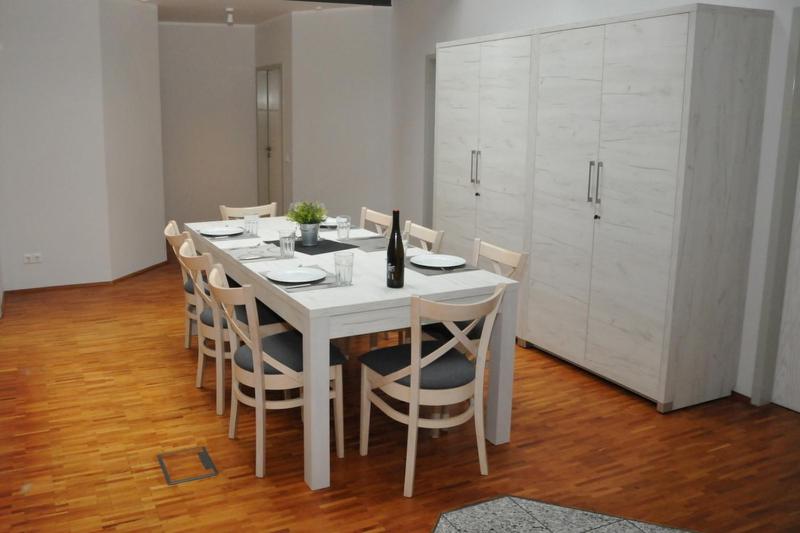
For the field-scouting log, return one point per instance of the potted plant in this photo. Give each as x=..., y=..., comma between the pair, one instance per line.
x=308, y=215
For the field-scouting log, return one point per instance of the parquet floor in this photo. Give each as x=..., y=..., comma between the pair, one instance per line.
x=94, y=382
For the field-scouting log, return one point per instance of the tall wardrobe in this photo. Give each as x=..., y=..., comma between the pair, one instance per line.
x=623, y=156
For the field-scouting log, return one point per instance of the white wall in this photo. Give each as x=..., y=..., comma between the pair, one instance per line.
x=53, y=198
x=419, y=24
x=341, y=108
x=273, y=40
x=208, y=118
x=132, y=129
x=80, y=154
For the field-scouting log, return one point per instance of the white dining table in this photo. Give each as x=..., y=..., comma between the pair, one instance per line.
x=366, y=306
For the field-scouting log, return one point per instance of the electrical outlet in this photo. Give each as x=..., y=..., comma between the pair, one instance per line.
x=29, y=259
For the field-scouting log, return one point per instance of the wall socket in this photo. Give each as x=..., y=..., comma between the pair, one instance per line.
x=29, y=259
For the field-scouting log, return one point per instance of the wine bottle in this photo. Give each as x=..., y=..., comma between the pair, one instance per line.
x=395, y=256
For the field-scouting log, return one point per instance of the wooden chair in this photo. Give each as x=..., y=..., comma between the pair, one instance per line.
x=269, y=210
x=175, y=239
x=211, y=326
x=381, y=221
x=431, y=373
x=502, y=261
x=268, y=363
x=426, y=238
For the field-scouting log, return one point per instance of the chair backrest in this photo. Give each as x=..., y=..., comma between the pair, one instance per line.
x=229, y=298
x=429, y=239
x=381, y=221
x=175, y=239
x=504, y=262
x=449, y=314
x=198, y=267
x=269, y=210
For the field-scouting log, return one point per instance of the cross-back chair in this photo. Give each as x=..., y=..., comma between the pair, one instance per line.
x=268, y=210
x=427, y=238
x=175, y=238
x=432, y=373
x=380, y=221
x=268, y=363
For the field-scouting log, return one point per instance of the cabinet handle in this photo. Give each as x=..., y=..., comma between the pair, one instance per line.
x=477, y=167
x=597, y=183
x=472, y=167
x=589, y=198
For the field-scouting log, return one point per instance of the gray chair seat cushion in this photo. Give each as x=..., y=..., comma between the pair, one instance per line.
x=285, y=347
x=188, y=286
x=451, y=370
x=439, y=331
x=266, y=316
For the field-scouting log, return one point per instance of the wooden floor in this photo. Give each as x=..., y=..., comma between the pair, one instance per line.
x=94, y=382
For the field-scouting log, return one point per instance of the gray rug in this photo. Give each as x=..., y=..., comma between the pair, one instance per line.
x=511, y=514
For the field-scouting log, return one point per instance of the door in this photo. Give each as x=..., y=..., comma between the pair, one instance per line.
x=640, y=135
x=501, y=163
x=270, y=137
x=457, y=88
x=786, y=391
x=567, y=136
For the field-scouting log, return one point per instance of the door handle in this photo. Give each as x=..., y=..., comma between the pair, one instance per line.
x=597, y=183
x=472, y=167
x=589, y=198
x=477, y=167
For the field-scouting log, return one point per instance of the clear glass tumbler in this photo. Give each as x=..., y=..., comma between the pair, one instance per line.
x=251, y=224
x=344, y=268
x=287, y=238
x=343, y=227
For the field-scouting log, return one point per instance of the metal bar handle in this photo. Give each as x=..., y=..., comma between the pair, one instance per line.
x=589, y=198
x=472, y=167
x=477, y=167
x=597, y=183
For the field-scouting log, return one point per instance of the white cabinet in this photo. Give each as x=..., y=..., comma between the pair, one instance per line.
x=639, y=146
x=482, y=103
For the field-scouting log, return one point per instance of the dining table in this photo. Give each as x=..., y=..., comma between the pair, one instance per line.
x=364, y=307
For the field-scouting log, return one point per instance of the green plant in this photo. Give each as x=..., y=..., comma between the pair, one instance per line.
x=307, y=213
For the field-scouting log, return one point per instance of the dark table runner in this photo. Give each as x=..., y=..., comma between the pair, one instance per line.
x=323, y=247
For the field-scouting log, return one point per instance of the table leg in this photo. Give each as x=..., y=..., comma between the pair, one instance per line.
x=501, y=370
x=316, y=417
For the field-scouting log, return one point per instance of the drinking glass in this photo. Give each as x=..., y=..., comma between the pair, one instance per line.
x=344, y=268
x=251, y=224
x=287, y=238
x=343, y=227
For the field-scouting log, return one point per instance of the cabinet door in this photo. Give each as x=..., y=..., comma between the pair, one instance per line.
x=457, y=74
x=457, y=85
x=640, y=135
x=567, y=135
x=503, y=141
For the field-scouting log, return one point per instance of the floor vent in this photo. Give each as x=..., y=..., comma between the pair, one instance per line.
x=190, y=464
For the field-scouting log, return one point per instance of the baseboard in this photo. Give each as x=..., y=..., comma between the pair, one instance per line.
x=87, y=285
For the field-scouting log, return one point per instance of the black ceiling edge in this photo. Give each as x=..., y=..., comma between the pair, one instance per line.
x=384, y=3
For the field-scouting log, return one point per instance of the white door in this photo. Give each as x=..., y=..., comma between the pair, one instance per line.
x=786, y=391
x=270, y=137
x=501, y=162
x=640, y=133
x=567, y=136
x=457, y=97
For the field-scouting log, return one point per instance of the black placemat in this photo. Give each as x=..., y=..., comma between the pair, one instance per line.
x=369, y=244
x=323, y=247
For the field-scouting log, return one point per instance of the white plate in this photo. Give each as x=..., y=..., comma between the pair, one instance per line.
x=438, y=261
x=297, y=275
x=221, y=231
x=329, y=222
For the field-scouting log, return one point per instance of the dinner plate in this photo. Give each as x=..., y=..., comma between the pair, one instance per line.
x=329, y=222
x=221, y=231
x=438, y=261
x=297, y=275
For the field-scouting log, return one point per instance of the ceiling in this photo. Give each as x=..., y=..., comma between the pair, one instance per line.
x=245, y=11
